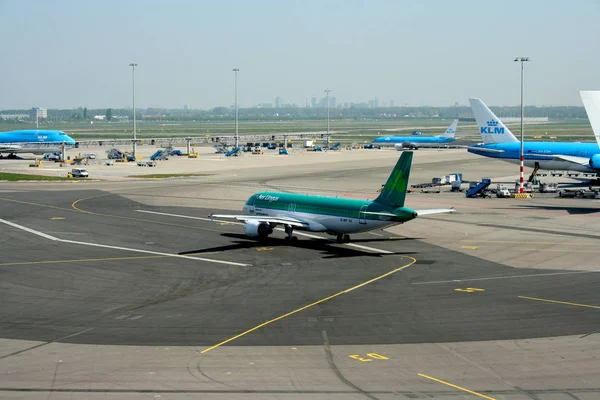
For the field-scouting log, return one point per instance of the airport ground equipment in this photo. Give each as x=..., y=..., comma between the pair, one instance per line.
x=146, y=163
x=550, y=187
x=160, y=155
x=480, y=190
x=79, y=173
x=36, y=163
x=221, y=148
x=283, y=152
x=336, y=146
x=456, y=186
x=502, y=191
x=193, y=153
x=233, y=152
x=317, y=148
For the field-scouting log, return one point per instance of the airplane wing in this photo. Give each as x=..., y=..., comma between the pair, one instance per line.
x=435, y=211
x=385, y=214
x=270, y=220
x=572, y=159
x=485, y=149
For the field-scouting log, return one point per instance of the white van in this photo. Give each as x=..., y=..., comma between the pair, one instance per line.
x=79, y=173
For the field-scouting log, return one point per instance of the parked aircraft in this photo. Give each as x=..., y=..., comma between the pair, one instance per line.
x=265, y=210
x=499, y=142
x=33, y=141
x=413, y=142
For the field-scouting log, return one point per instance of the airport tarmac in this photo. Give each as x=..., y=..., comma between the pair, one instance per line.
x=123, y=288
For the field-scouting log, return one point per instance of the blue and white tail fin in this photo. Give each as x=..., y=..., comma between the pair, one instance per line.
x=491, y=129
x=591, y=102
x=451, y=131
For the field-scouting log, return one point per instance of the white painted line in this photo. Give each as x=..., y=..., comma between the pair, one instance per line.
x=136, y=317
x=504, y=277
x=358, y=246
x=28, y=230
x=119, y=247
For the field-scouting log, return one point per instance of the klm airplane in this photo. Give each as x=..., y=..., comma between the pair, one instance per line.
x=499, y=142
x=340, y=217
x=33, y=141
x=411, y=142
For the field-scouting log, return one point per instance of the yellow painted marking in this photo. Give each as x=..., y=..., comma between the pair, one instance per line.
x=377, y=356
x=36, y=204
x=74, y=206
x=225, y=223
x=470, y=290
x=359, y=358
x=56, y=218
x=263, y=248
x=414, y=260
x=456, y=386
x=397, y=237
x=79, y=260
x=559, y=302
x=469, y=247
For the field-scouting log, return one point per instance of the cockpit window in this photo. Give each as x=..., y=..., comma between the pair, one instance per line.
x=250, y=201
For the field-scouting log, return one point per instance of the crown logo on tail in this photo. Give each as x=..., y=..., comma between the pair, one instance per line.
x=492, y=122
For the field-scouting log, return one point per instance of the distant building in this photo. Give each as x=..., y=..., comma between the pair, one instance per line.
x=186, y=107
x=38, y=113
x=278, y=102
x=313, y=102
x=392, y=103
x=99, y=117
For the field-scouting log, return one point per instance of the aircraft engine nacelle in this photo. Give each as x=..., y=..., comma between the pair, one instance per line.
x=595, y=161
x=256, y=229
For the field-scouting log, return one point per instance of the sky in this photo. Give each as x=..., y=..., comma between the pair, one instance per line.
x=65, y=54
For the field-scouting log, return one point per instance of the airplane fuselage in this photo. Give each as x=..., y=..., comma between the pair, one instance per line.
x=541, y=152
x=34, y=141
x=326, y=214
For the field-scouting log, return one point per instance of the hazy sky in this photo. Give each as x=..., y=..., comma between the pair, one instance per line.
x=63, y=54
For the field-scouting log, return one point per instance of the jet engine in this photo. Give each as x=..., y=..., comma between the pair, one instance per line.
x=256, y=229
x=595, y=161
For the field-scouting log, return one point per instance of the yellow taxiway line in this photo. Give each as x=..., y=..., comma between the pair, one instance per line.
x=323, y=300
x=79, y=260
x=559, y=302
x=456, y=386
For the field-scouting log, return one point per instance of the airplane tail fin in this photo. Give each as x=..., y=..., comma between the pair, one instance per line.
x=451, y=131
x=492, y=130
x=394, y=190
x=591, y=102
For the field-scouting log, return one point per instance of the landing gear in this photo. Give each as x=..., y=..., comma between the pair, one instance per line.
x=289, y=231
x=343, y=238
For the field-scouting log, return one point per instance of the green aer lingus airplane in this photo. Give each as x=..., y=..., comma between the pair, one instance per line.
x=265, y=210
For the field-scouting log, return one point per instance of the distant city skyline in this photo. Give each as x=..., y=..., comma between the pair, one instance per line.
x=430, y=52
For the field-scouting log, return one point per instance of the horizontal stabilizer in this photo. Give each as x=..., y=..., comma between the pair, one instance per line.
x=435, y=211
x=265, y=219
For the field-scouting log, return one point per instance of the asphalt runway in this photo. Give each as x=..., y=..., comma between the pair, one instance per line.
x=126, y=273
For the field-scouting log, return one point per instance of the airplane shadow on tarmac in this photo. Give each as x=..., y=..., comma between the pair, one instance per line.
x=328, y=248
x=570, y=210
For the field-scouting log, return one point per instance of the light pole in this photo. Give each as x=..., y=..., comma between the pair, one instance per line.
x=522, y=60
x=237, y=140
x=327, y=93
x=133, y=65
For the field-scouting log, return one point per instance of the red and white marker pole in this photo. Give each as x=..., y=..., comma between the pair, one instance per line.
x=521, y=181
